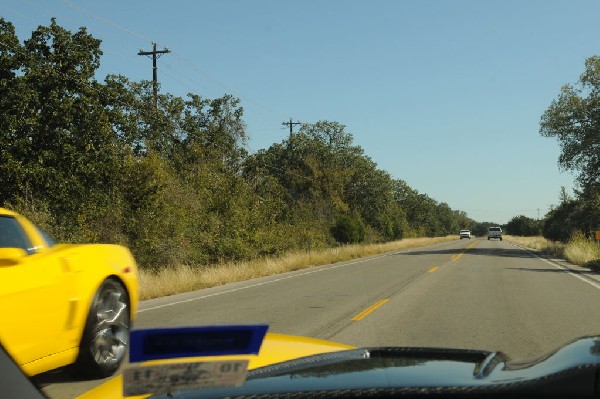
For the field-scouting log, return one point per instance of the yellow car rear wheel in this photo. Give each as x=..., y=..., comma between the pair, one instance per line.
x=106, y=335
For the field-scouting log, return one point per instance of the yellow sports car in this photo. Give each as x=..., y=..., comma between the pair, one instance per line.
x=62, y=304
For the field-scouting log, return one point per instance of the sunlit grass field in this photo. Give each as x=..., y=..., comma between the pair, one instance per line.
x=184, y=278
x=579, y=251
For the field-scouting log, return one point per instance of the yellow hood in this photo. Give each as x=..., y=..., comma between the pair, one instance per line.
x=276, y=348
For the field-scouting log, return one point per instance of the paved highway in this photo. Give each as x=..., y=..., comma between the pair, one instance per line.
x=469, y=294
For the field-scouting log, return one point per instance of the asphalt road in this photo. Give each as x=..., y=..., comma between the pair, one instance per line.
x=465, y=294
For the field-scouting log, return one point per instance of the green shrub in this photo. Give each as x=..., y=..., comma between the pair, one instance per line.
x=348, y=229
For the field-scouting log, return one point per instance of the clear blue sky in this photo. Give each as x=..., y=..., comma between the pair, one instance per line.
x=446, y=95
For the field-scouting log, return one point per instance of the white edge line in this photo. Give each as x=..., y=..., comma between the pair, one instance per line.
x=262, y=283
x=556, y=265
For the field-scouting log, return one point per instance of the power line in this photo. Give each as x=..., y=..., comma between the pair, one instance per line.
x=60, y=17
x=194, y=83
x=179, y=57
x=175, y=53
x=104, y=20
x=220, y=83
x=117, y=101
x=127, y=58
x=17, y=13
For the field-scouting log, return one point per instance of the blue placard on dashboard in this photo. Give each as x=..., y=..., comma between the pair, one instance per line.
x=168, y=343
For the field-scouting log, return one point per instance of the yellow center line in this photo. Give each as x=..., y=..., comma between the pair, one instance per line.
x=369, y=310
x=458, y=256
x=433, y=269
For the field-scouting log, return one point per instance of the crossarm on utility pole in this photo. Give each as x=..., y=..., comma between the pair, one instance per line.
x=155, y=54
x=291, y=125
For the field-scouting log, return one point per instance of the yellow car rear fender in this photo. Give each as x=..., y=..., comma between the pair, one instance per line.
x=94, y=263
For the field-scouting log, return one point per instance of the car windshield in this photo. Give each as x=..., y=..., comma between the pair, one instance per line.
x=12, y=235
x=50, y=242
x=292, y=163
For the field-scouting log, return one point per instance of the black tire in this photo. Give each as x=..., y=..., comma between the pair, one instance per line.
x=105, y=337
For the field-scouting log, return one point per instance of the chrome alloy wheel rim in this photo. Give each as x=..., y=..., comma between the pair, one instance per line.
x=111, y=331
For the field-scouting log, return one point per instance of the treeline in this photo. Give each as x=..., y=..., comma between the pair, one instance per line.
x=574, y=216
x=95, y=161
x=573, y=118
x=524, y=226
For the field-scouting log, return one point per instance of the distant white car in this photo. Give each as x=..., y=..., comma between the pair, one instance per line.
x=465, y=234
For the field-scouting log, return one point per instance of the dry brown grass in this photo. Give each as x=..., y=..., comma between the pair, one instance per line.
x=583, y=252
x=539, y=243
x=184, y=278
x=579, y=251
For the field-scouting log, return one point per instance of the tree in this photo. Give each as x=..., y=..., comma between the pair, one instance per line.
x=573, y=215
x=425, y=216
x=574, y=119
x=523, y=226
x=96, y=161
x=57, y=145
x=559, y=224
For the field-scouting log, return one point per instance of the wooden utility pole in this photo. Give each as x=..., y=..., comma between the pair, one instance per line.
x=155, y=54
x=291, y=125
